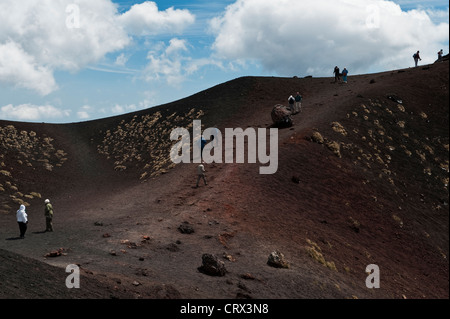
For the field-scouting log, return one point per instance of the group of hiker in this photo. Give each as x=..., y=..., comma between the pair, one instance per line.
x=22, y=218
x=295, y=103
x=338, y=74
x=417, y=58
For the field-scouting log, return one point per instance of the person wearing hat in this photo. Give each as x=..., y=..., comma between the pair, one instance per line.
x=48, y=216
x=22, y=220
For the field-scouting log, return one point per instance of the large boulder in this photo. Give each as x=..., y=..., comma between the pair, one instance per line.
x=281, y=116
x=212, y=266
x=277, y=260
x=186, y=228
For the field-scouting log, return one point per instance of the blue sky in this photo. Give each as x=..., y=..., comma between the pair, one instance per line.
x=77, y=60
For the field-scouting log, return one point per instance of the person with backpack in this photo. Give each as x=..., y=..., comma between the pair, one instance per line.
x=298, y=103
x=416, y=57
x=440, y=53
x=337, y=75
x=344, y=75
x=291, y=101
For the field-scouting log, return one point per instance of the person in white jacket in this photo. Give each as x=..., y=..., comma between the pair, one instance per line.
x=22, y=220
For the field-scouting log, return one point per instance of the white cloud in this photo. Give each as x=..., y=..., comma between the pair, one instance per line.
x=146, y=19
x=40, y=37
x=83, y=113
x=173, y=63
x=168, y=64
x=312, y=36
x=175, y=46
x=121, y=60
x=119, y=109
x=46, y=39
x=20, y=69
x=30, y=112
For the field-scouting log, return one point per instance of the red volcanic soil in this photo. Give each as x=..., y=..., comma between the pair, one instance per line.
x=362, y=180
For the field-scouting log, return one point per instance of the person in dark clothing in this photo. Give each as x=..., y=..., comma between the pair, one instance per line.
x=298, y=103
x=416, y=57
x=337, y=75
x=291, y=101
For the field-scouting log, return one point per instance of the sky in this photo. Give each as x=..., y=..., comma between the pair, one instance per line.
x=64, y=61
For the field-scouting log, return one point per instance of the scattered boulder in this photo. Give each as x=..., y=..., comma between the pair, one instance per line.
x=173, y=247
x=335, y=147
x=248, y=276
x=212, y=266
x=56, y=253
x=277, y=260
x=186, y=228
x=317, y=138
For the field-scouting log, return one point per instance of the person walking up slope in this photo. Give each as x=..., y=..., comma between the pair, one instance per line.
x=201, y=174
x=22, y=220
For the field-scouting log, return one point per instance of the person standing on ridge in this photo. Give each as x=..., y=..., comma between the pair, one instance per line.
x=416, y=57
x=440, y=53
x=344, y=75
x=48, y=216
x=337, y=75
x=22, y=220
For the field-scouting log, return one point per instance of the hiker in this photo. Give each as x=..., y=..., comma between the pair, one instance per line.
x=201, y=174
x=440, y=53
x=416, y=57
x=22, y=220
x=344, y=75
x=298, y=103
x=202, y=144
x=291, y=101
x=336, y=75
x=48, y=216
x=214, y=137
